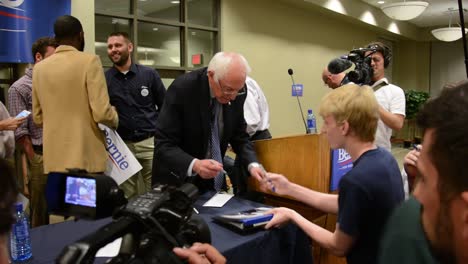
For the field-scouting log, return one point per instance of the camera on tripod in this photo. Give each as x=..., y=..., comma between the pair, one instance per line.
x=150, y=225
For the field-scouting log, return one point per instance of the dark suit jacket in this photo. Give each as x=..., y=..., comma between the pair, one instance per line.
x=183, y=130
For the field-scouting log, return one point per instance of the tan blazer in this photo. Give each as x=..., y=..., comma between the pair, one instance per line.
x=69, y=99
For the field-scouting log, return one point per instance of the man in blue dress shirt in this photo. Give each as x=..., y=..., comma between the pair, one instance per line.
x=138, y=93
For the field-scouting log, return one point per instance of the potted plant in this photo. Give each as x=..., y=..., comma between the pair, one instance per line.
x=414, y=101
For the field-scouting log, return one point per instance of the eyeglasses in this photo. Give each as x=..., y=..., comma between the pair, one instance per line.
x=231, y=92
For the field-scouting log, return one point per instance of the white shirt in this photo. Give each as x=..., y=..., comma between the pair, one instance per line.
x=392, y=99
x=7, y=138
x=256, y=112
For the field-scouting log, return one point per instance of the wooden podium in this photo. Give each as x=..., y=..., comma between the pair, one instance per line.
x=305, y=160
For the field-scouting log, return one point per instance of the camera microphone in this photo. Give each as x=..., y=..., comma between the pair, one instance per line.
x=339, y=65
x=290, y=72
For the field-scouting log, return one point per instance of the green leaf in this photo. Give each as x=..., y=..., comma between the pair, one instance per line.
x=414, y=101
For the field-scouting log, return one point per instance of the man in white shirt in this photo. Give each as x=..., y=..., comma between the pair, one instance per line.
x=257, y=117
x=391, y=98
x=256, y=112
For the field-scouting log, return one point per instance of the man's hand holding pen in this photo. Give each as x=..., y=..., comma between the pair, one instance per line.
x=207, y=168
x=259, y=172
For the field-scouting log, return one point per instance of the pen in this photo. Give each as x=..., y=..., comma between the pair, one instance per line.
x=273, y=189
x=222, y=170
x=416, y=147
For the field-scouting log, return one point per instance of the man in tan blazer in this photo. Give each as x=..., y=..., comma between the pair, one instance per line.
x=69, y=99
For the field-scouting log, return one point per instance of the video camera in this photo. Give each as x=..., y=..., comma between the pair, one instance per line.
x=150, y=224
x=363, y=72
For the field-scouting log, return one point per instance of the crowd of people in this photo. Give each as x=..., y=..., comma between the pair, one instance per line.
x=182, y=134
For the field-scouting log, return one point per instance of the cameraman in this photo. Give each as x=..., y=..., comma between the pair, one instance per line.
x=391, y=98
x=200, y=253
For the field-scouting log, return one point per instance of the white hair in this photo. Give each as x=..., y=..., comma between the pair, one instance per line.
x=221, y=62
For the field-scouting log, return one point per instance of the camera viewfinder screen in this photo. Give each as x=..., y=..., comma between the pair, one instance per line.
x=81, y=191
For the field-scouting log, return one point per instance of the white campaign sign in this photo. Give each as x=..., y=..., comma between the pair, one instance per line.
x=121, y=164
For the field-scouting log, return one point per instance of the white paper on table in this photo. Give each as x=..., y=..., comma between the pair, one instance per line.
x=218, y=200
x=111, y=249
x=121, y=163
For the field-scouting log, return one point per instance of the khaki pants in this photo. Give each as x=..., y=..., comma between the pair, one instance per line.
x=141, y=182
x=37, y=185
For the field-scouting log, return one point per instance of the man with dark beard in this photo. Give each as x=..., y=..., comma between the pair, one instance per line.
x=138, y=94
x=432, y=226
x=69, y=100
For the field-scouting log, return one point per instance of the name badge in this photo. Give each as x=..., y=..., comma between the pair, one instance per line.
x=144, y=91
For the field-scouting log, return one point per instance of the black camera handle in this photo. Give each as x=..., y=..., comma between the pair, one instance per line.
x=84, y=250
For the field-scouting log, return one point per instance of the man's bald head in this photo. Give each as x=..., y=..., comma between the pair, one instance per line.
x=335, y=72
x=332, y=80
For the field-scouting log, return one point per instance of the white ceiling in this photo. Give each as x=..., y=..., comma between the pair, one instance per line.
x=436, y=14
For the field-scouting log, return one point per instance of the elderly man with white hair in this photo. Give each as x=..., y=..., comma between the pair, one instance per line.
x=202, y=114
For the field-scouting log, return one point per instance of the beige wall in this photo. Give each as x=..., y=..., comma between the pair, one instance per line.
x=275, y=36
x=412, y=60
x=84, y=11
x=448, y=64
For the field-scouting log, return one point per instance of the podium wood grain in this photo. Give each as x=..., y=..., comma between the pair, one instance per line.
x=305, y=160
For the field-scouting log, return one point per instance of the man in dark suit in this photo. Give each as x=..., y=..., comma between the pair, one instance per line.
x=201, y=114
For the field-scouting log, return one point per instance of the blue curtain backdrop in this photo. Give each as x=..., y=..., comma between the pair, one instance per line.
x=24, y=21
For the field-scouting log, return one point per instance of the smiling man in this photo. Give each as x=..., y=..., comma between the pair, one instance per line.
x=202, y=113
x=432, y=226
x=137, y=93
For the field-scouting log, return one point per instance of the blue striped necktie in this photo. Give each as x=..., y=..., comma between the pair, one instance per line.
x=215, y=146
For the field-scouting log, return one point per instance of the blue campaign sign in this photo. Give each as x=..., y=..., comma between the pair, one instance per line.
x=24, y=21
x=341, y=164
x=297, y=89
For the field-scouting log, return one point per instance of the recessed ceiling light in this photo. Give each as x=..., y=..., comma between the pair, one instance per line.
x=155, y=29
x=380, y=2
x=175, y=2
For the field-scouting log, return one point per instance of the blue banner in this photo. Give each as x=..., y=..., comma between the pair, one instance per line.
x=24, y=21
x=341, y=164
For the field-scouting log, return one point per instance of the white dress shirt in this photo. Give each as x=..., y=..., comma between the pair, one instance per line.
x=256, y=112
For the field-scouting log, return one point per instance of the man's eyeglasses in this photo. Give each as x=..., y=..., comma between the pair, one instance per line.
x=231, y=92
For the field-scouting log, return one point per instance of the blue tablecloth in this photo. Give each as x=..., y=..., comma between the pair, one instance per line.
x=288, y=244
